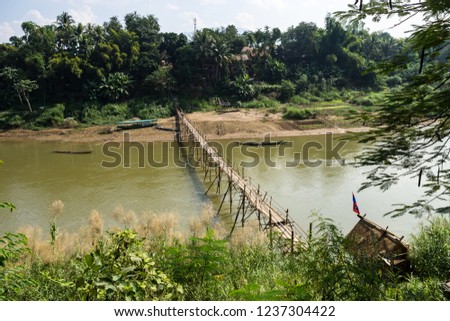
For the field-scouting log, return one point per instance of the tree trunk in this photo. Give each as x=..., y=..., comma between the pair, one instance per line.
x=28, y=102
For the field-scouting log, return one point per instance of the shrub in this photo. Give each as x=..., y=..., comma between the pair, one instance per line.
x=199, y=266
x=122, y=270
x=430, y=252
x=299, y=100
x=263, y=102
x=287, y=90
x=53, y=116
x=332, y=273
x=107, y=114
x=14, y=280
x=415, y=289
x=149, y=109
x=298, y=114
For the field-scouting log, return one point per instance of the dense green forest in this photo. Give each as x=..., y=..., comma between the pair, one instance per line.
x=73, y=70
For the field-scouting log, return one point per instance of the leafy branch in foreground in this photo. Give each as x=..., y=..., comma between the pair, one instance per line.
x=413, y=126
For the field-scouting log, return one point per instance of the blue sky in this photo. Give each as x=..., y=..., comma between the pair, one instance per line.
x=176, y=15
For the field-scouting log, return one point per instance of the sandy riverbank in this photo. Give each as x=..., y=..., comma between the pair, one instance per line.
x=235, y=125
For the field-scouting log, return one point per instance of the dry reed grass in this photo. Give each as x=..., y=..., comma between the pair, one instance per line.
x=251, y=235
x=127, y=218
x=66, y=244
x=158, y=231
x=56, y=209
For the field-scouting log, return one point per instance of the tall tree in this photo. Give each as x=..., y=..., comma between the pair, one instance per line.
x=65, y=31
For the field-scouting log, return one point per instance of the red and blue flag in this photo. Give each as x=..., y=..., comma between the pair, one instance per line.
x=355, y=205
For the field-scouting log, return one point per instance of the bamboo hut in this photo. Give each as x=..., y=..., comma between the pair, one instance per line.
x=368, y=238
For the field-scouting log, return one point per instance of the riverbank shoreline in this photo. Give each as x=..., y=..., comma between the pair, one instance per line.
x=247, y=124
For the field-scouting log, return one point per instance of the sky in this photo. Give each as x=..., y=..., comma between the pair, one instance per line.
x=177, y=15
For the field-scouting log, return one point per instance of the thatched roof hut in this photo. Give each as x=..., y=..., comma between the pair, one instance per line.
x=368, y=238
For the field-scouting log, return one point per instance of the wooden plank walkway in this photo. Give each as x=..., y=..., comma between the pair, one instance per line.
x=278, y=220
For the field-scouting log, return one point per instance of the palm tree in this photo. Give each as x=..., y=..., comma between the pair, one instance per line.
x=64, y=31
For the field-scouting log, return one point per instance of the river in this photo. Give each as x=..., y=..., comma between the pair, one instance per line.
x=33, y=176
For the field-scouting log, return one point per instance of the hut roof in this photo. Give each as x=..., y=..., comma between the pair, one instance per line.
x=370, y=239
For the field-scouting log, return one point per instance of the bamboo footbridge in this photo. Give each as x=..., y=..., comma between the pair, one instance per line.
x=253, y=201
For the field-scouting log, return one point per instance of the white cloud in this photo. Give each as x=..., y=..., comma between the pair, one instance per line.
x=213, y=2
x=245, y=20
x=269, y=4
x=6, y=31
x=172, y=7
x=14, y=28
x=37, y=17
x=83, y=15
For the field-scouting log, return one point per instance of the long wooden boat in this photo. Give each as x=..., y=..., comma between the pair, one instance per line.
x=130, y=124
x=263, y=143
x=165, y=128
x=72, y=152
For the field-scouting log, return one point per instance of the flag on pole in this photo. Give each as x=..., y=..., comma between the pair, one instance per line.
x=355, y=205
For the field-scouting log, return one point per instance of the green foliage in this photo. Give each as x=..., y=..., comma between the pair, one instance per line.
x=13, y=278
x=413, y=124
x=298, y=114
x=75, y=63
x=6, y=205
x=283, y=292
x=287, y=90
x=11, y=247
x=331, y=273
x=122, y=270
x=199, y=266
x=15, y=121
x=106, y=114
x=416, y=289
x=430, y=251
x=148, y=109
x=114, y=87
x=52, y=116
x=161, y=81
x=243, y=88
x=299, y=100
x=262, y=102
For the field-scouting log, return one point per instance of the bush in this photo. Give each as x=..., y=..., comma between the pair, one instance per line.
x=332, y=273
x=415, y=289
x=430, y=252
x=195, y=104
x=264, y=102
x=122, y=270
x=50, y=117
x=299, y=100
x=287, y=90
x=107, y=114
x=298, y=114
x=149, y=109
x=11, y=120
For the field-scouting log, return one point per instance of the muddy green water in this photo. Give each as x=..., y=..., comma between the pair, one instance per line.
x=33, y=176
